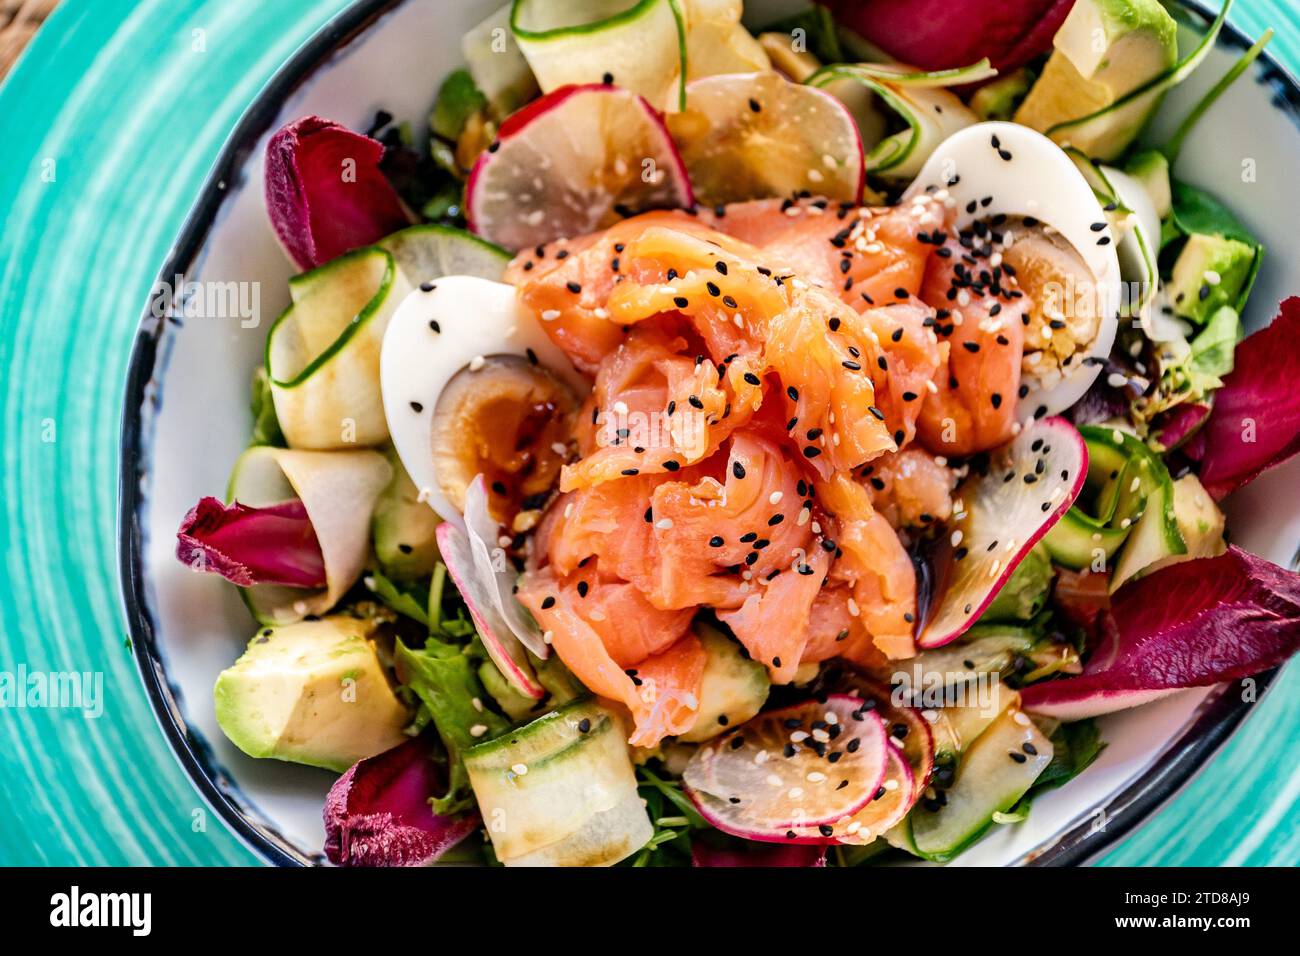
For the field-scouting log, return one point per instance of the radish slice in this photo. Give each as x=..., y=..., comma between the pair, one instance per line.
x=905, y=726
x=757, y=136
x=573, y=162
x=791, y=770
x=999, y=515
x=889, y=805
x=483, y=532
x=503, y=647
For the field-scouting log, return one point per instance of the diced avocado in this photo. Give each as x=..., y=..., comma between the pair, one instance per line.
x=1025, y=592
x=404, y=527
x=517, y=706
x=1000, y=99
x=1151, y=169
x=1104, y=50
x=733, y=689
x=314, y=693
x=1210, y=272
x=558, y=681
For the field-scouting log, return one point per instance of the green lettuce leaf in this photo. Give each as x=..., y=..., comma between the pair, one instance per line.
x=444, y=679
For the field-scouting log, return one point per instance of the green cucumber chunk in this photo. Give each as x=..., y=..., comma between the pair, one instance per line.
x=563, y=781
x=1000, y=766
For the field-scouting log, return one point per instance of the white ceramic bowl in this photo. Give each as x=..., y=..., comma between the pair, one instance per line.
x=186, y=420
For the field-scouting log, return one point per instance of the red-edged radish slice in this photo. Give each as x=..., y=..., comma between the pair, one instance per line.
x=757, y=136
x=907, y=727
x=572, y=162
x=889, y=804
x=492, y=566
x=999, y=514
x=791, y=770
x=503, y=647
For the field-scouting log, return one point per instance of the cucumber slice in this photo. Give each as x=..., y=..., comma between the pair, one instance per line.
x=931, y=113
x=560, y=791
x=428, y=252
x=1144, y=498
x=322, y=353
x=984, y=649
x=956, y=728
x=497, y=65
x=338, y=490
x=639, y=44
x=733, y=689
x=1126, y=480
x=1076, y=540
x=991, y=777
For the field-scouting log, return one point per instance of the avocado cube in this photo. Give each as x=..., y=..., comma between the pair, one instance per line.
x=1210, y=272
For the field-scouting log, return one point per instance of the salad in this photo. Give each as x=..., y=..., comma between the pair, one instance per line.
x=718, y=447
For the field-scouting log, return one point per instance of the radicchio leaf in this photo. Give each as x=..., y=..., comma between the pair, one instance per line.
x=946, y=34
x=1256, y=419
x=752, y=854
x=246, y=546
x=325, y=193
x=378, y=813
x=1190, y=624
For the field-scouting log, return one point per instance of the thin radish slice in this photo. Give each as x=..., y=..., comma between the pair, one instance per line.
x=791, y=769
x=908, y=730
x=573, y=162
x=889, y=805
x=483, y=533
x=1000, y=512
x=503, y=647
x=757, y=136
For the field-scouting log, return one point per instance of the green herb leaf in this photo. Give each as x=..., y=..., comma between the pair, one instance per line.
x=443, y=677
x=458, y=100
x=266, y=426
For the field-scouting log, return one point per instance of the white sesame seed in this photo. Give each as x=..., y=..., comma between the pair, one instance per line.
x=478, y=730
x=664, y=524
x=519, y=769
x=476, y=363
x=816, y=777
x=775, y=497
x=550, y=315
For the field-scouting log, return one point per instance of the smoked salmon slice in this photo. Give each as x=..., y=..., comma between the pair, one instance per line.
x=973, y=405
x=771, y=382
x=661, y=690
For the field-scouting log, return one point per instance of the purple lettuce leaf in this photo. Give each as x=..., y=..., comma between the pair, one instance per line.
x=325, y=192
x=1191, y=624
x=946, y=34
x=378, y=813
x=749, y=853
x=247, y=546
x=1256, y=419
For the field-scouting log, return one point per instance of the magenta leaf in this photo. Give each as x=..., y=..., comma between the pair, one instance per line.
x=1177, y=427
x=247, y=546
x=325, y=193
x=947, y=34
x=1190, y=624
x=378, y=813
x=750, y=853
x=1256, y=419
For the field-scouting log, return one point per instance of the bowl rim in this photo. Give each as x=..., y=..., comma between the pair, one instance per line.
x=1079, y=841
